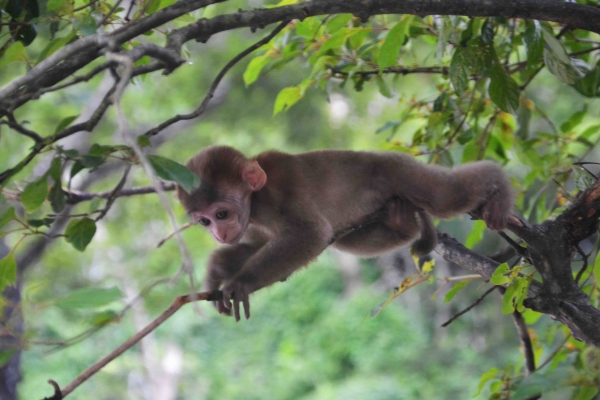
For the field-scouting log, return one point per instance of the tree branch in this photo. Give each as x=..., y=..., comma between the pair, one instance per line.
x=172, y=309
x=213, y=87
x=76, y=196
x=81, y=52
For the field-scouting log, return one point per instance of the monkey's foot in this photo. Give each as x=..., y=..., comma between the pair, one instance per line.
x=496, y=212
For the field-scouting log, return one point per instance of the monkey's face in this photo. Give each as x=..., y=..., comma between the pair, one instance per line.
x=225, y=220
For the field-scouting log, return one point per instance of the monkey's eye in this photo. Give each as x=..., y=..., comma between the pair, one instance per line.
x=222, y=214
x=204, y=221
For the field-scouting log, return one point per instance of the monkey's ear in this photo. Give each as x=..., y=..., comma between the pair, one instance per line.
x=254, y=176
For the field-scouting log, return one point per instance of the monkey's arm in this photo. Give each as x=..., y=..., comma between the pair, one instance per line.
x=295, y=246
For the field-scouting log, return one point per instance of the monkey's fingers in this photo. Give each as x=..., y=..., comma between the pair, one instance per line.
x=241, y=296
x=247, y=307
x=227, y=294
x=236, y=305
x=221, y=308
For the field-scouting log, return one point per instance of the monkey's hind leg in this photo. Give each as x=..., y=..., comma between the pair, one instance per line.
x=401, y=217
x=428, y=238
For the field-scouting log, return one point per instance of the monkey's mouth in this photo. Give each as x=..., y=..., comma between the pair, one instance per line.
x=233, y=240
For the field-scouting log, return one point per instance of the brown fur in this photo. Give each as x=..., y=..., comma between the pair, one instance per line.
x=288, y=219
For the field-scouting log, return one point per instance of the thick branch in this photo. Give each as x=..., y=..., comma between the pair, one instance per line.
x=78, y=54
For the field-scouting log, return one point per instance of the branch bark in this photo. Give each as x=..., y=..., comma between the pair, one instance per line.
x=80, y=53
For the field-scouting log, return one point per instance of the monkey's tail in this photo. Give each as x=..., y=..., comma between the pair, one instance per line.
x=428, y=239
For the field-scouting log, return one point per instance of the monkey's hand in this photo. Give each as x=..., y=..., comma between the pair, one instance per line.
x=224, y=264
x=496, y=211
x=237, y=290
x=211, y=284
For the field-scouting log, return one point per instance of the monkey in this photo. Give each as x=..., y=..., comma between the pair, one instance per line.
x=276, y=212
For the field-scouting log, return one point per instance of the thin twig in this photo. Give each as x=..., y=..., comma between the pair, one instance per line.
x=114, y=193
x=91, y=3
x=213, y=87
x=187, y=265
x=585, y=258
x=395, y=70
x=110, y=12
x=21, y=129
x=555, y=352
x=521, y=251
x=470, y=307
x=76, y=196
x=172, y=309
x=170, y=235
x=76, y=79
x=525, y=339
x=84, y=335
x=484, y=135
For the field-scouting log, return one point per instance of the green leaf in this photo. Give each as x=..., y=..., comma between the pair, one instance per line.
x=558, y=61
x=574, y=120
x=476, y=234
x=383, y=87
x=487, y=31
x=533, y=41
x=455, y=289
x=390, y=50
x=286, y=98
x=7, y=216
x=503, y=90
x=104, y=317
x=89, y=298
x=144, y=141
x=389, y=125
x=80, y=232
x=308, y=27
x=586, y=393
x=16, y=52
x=508, y=305
x=498, y=277
x=254, y=67
x=588, y=85
x=338, y=22
x=170, y=170
x=86, y=25
x=34, y=194
x=55, y=169
x=491, y=374
x=64, y=123
x=92, y=161
x=458, y=71
x=8, y=271
x=153, y=6
x=76, y=168
x=36, y=223
x=56, y=5
x=523, y=120
x=56, y=196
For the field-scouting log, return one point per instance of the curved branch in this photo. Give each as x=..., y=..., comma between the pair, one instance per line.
x=81, y=52
x=213, y=87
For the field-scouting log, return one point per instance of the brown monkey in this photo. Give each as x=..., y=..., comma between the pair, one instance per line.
x=276, y=212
